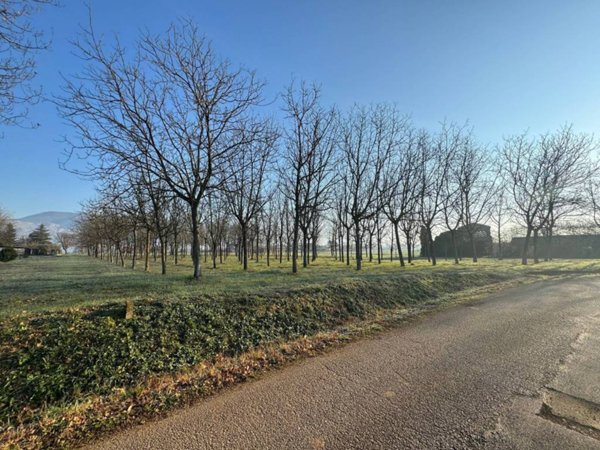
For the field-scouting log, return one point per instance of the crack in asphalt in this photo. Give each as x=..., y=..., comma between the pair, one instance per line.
x=573, y=412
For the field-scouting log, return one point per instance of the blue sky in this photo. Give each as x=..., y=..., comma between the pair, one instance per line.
x=505, y=66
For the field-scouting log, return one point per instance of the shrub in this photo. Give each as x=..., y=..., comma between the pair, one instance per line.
x=8, y=254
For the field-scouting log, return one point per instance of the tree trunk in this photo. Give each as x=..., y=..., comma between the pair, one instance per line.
x=392, y=248
x=147, y=250
x=525, y=247
x=454, y=247
x=268, y=244
x=379, y=243
x=499, y=244
x=280, y=248
x=214, y=254
x=473, y=246
x=175, y=248
x=295, y=239
x=304, y=248
x=163, y=255
x=257, y=241
x=196, y=241
x=398, y=244
x=431, y=247
x=358, y=245
x=133, y=259
x=535, y=246
x=348, y=246
x=549, y=244
x=245, y=247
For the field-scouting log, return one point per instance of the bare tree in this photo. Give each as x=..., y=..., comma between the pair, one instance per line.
x=453, y=207
x=104, y=231
x=245, y=191
x=593, y=196
x=545, y=177
x=343, y=218
x=500, y=212
x=280, y=209
x=216, y=223
x=270, y=225
x=146, y=201
x=570, y=167
x=177, y=223
x=398, y=190
x=20, y=41
x=437, y=153
x=66, y=240
x=315, y=232
x=173, y=107
x=367, y=140
x=476, y=185
x=410, y=225
x=525, y=172
x=306, y=165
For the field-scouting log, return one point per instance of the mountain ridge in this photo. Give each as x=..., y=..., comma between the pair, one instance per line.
x=55, y=221
x=49, y=216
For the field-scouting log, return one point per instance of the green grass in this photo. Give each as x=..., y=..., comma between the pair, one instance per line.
x=64, y=341
x=39, y=284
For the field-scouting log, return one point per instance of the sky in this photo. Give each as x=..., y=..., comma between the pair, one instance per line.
x=504, y=66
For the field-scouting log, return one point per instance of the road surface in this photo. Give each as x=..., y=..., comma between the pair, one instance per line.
x=471, y=376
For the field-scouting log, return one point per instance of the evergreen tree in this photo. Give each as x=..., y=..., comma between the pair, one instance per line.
x=40, y=236
x=8, y=235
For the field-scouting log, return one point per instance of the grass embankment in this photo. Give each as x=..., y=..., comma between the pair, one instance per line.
x=72, y=373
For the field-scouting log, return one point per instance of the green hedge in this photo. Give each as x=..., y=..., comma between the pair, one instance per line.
x=8, y=254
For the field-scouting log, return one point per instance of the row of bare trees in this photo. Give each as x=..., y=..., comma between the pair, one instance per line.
x=549, y=179
x=185, y=159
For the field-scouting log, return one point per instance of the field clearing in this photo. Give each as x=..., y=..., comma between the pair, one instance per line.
x=39, y=284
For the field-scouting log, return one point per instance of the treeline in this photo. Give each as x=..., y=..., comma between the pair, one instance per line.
x=185, y=160
x=37, y=242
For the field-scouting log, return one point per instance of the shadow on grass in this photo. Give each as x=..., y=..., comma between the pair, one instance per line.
x=115, y=311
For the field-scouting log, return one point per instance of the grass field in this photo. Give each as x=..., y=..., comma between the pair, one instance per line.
x=73, y=367
x=38, y=284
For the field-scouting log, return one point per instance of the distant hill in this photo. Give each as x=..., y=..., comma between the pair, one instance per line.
x=65, y=219
x=55, y=221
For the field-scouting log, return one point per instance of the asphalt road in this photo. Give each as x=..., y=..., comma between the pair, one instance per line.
x=471, y=376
